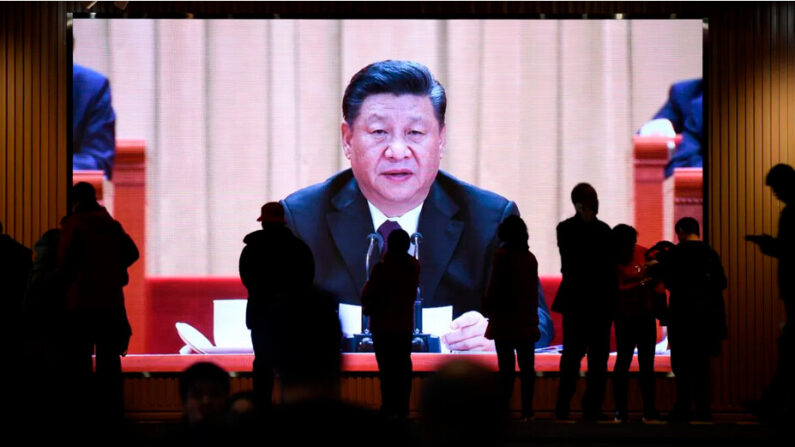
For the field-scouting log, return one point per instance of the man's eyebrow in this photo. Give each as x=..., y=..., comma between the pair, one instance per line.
x=417, y=118
x=373, y=117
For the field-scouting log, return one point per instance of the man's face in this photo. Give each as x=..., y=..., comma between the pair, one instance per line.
x=395, y=146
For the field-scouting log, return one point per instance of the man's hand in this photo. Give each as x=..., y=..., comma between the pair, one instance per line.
x=467, y=333
x=765, y=242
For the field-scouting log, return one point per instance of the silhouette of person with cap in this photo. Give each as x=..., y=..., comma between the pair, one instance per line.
x=277, y=268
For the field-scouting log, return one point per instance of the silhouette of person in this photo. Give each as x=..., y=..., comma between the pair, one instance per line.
x=696, y=320
x=15, y=265
x=635, y=322
x=276, y=267
x=388, y=298
x=204, y=389
x=586, y=298
x=510, y=303
x=461, y=406
x=43, y=318
x=778, y=398
x=94, y=253
x=311, y=411
x=16, y=261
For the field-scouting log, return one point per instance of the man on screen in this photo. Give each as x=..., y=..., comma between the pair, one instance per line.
x=394, y=135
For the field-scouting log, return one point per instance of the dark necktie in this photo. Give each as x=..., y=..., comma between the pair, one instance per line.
x=385, y=229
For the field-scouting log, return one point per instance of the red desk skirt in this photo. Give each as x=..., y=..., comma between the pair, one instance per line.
x=352, y=362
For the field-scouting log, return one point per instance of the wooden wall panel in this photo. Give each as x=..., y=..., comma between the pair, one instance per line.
x=750, y=100
x=32, y=118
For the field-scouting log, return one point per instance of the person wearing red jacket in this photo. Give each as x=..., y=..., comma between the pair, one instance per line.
x=634, y=322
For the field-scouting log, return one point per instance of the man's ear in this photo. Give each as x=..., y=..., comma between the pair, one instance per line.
x=347, y=136
x=442, y=141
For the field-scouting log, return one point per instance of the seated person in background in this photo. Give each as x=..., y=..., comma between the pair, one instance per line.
x=682, y=114
x=394, y=135
x=93, y=122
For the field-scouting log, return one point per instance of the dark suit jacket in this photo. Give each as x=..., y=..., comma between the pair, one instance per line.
x=685, y=111
x=458, y=223
x=590, y=285
x=93, y=121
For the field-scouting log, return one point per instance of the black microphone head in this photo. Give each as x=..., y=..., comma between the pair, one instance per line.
x=417, y=236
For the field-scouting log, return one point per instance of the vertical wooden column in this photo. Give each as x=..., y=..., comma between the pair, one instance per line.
x=129, y=208
x=689, y=195
x=651, y=156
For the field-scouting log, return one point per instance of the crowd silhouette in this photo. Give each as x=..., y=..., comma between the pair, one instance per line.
x=73, y=290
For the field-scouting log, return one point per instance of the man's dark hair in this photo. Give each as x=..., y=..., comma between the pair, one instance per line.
x=687, y=225
x=398, y=241
x=202, y=372
x=84, y=192
x=583, y=193
x=398, y=78
x=513, y=231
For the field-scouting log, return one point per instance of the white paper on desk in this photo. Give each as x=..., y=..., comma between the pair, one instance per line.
x=350, y=319
x=435, y=320
x=229, y=326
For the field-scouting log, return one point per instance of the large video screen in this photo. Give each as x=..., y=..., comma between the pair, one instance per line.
x=231, y=114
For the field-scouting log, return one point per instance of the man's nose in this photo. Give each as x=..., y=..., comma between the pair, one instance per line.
x=397, y=149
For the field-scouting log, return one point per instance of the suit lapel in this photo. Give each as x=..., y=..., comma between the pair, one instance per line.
x=350, y=223
x=441, y=232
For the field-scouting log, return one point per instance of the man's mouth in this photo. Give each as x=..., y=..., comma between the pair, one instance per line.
x=397, y=174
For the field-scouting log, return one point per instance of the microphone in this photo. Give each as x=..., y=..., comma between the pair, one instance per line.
x=375, y=244
x=419, y=343
x=416, y=238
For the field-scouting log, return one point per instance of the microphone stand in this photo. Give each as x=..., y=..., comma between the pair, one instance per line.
x=420, y=341
x=363, y=342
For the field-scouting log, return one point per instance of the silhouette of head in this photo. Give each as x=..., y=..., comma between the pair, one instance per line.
x=513, y=232
x=461, y=406
x=83, y=193
x=585, y=201
x=204, y=388
x=686, y=227
x=398, y=242
x=624, y=238
x=781, y=178
x=271, y=213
